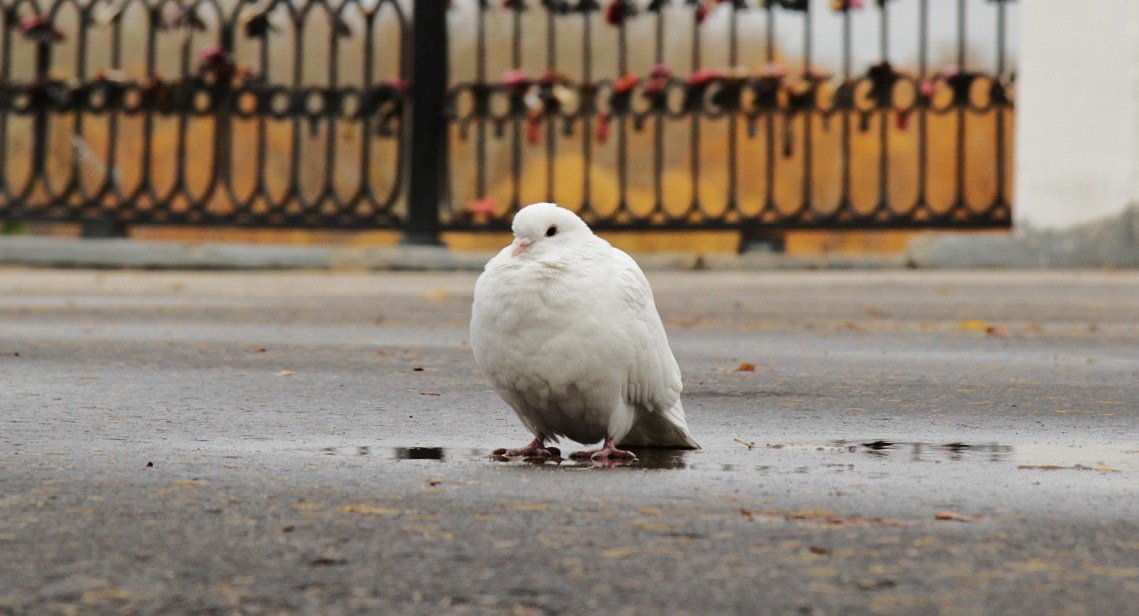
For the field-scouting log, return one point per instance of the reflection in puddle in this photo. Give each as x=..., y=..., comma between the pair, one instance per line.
x=419, y=453
x=919, y=451
x=361, y=450
x=647, y=459
x=1027, y=455
x=660, y=458
x=1024, y=454
x=403, y=453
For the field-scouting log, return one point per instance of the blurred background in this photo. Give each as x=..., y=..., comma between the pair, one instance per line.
x=714, y=126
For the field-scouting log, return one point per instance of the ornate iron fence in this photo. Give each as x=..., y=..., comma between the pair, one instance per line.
x=640, y=115
x=727, y=139
x=202, y=112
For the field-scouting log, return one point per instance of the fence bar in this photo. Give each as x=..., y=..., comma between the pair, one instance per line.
x=428, y=133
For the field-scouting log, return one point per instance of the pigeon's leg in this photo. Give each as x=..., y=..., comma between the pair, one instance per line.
x=608, y=451
x=536, y=449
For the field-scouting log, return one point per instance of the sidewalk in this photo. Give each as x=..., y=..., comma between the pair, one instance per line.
x=1107, y=243
x=886, y=441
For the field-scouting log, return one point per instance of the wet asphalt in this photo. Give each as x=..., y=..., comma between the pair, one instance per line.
x=887, y=442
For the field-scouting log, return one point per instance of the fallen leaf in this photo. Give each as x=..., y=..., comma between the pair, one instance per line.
x=429, y=533
x=876, y=584
x=1079, y=467
x=368, y=509
x=953, y=516
x=286, y=373
x=650, y=511
x=188, y=483
x=812, y=514
x=651, y=525
x=748, y=444
x=430, y=393
x=635, y=550
x=325, y=561
x=973, y=325
x=436, y=295
x=1035, y=564
x=529, y=506
x=746, y=367
x=434, y=482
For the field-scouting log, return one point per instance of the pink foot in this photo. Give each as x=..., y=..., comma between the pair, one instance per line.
x=607, y=452
x=536, y=449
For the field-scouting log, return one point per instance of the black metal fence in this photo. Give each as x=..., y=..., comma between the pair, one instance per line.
x=741, y=114
x=203, y=112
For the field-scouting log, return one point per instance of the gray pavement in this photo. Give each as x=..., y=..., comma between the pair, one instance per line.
x=316, y=443
x=1109, y=242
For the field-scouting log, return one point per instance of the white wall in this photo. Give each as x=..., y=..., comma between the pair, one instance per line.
x=1077, y=111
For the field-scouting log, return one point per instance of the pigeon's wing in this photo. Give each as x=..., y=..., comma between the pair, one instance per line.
x=654, y=382
x=654, y=376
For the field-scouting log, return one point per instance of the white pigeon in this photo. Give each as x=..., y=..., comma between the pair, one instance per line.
x=565, y=327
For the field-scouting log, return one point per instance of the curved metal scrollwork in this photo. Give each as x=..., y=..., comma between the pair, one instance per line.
x=292, y=113
x=202, y=111
x=794, y=121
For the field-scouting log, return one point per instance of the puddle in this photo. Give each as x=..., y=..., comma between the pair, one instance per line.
x=1030, y=454
x=919, y=451
x=1053, y=457
x=646, y=458
x=361, y=450
x=419, y=453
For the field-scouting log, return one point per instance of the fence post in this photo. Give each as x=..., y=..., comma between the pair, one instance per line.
x=428, y=129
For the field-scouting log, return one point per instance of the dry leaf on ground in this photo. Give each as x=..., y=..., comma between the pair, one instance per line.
x=953, y=516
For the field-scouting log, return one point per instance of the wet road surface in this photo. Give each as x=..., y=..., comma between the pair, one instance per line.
x=874, y=443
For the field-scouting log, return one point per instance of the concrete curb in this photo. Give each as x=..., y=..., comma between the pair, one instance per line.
x=1109, y=243
x=134, y=254
x=1113, y=242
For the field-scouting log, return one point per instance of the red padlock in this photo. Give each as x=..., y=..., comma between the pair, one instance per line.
x=603, y=127
x=658, y=80
x=618, y=11
x=902, y=119
x=534, y=128
x=482, y=209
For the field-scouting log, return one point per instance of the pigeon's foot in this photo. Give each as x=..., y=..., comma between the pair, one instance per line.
x=536, y=449
x=607, y=452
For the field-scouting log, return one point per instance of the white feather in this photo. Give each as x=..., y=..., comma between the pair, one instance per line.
x=568, y=333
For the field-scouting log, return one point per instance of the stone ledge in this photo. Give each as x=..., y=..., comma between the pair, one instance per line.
x=1112, y=242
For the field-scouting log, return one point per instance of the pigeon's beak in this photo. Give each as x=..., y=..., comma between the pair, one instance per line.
x=520, y=246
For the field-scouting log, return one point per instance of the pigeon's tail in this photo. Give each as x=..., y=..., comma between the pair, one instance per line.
x=667, y=429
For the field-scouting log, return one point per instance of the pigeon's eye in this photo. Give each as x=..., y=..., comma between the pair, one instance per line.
x=552, y=231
